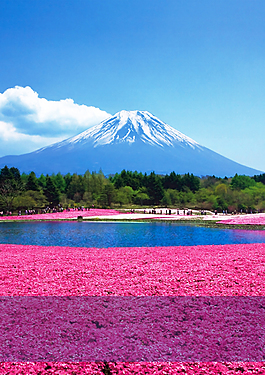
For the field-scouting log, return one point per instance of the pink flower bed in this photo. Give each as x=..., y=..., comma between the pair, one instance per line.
x=219, y=270
x=215, y=270
x=254, y=219
x=62, y=215
x=131, y=329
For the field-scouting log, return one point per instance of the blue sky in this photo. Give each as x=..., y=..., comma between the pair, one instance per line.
x=197, y=65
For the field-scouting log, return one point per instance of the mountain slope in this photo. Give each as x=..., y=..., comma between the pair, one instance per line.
x=131, y=140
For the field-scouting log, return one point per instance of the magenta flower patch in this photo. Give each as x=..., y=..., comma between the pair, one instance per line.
x=72, y=214
x=222, y=270
x=214, y=270
x=132, y=329
x=257, y=219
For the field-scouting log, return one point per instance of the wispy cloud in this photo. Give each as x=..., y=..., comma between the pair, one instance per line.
x=28, y=122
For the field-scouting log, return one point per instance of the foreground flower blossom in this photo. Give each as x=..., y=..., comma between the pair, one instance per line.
x=126, y=368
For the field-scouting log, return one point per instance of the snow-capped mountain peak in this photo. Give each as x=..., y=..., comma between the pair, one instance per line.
x=131, y=127
x=130, y=140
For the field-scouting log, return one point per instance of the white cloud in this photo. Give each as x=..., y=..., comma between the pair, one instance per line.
x=28, y=122
x=13, y=142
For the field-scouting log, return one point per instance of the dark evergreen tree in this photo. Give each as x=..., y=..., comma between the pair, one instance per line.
x=5, y=174
x=10, y=186
x=173, y=181
x=260, y=178
x=109, y=192
x=155, y=188
x=67, y=179
x=51, y=192
x=117, y=180
x=191, y=182
x=42, y=181
x=76, y=186
x=59, y=182
x=32, y=183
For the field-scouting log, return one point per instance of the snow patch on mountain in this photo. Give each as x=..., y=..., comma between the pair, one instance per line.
x=130, y=127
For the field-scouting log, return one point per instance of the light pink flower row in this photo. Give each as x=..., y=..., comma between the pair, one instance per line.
x=219, y=270
x=254, y=219
x=62, y=215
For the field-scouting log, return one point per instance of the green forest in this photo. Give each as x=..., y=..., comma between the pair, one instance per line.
x=130, y=190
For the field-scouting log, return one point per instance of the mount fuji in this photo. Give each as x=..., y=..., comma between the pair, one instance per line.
x=130, y=140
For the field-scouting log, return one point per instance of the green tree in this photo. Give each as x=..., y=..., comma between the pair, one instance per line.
x=173, y=196
x=166, y=200
x=260, y=178
x=60, y=182
x=32, y=182
x=87, y=199
x=67, y=179
x=221, y=190
x=154, y=188
x=76, y=188
x=190, y=181
x=87, y=181
x=127, y=178
x=221, y=204
x=51, y=192
x=97, y=183
x=10, y=186
x=117, y=180
x=103, y=200
x=109, y=192
x=30, y=199
x=24, y=178
x=209, y=181
x=124, y=195
x=242, y=182
x=141, y=196
x=173, y=181
x=42, y=181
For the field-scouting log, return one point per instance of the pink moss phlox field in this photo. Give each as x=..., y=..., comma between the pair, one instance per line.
x=62, y=215
x=135, y=368
x=213, y=270
x=199, y=270
x=132, y=329
x=254, y=219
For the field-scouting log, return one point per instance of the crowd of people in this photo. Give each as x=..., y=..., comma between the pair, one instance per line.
x=59, y=208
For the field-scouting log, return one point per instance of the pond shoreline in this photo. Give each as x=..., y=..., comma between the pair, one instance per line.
x=195, y=222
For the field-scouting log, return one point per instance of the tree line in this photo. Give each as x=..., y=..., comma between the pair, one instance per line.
x=27, y=191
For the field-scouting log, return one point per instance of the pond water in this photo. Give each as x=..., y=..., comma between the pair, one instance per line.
x=109, y=234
